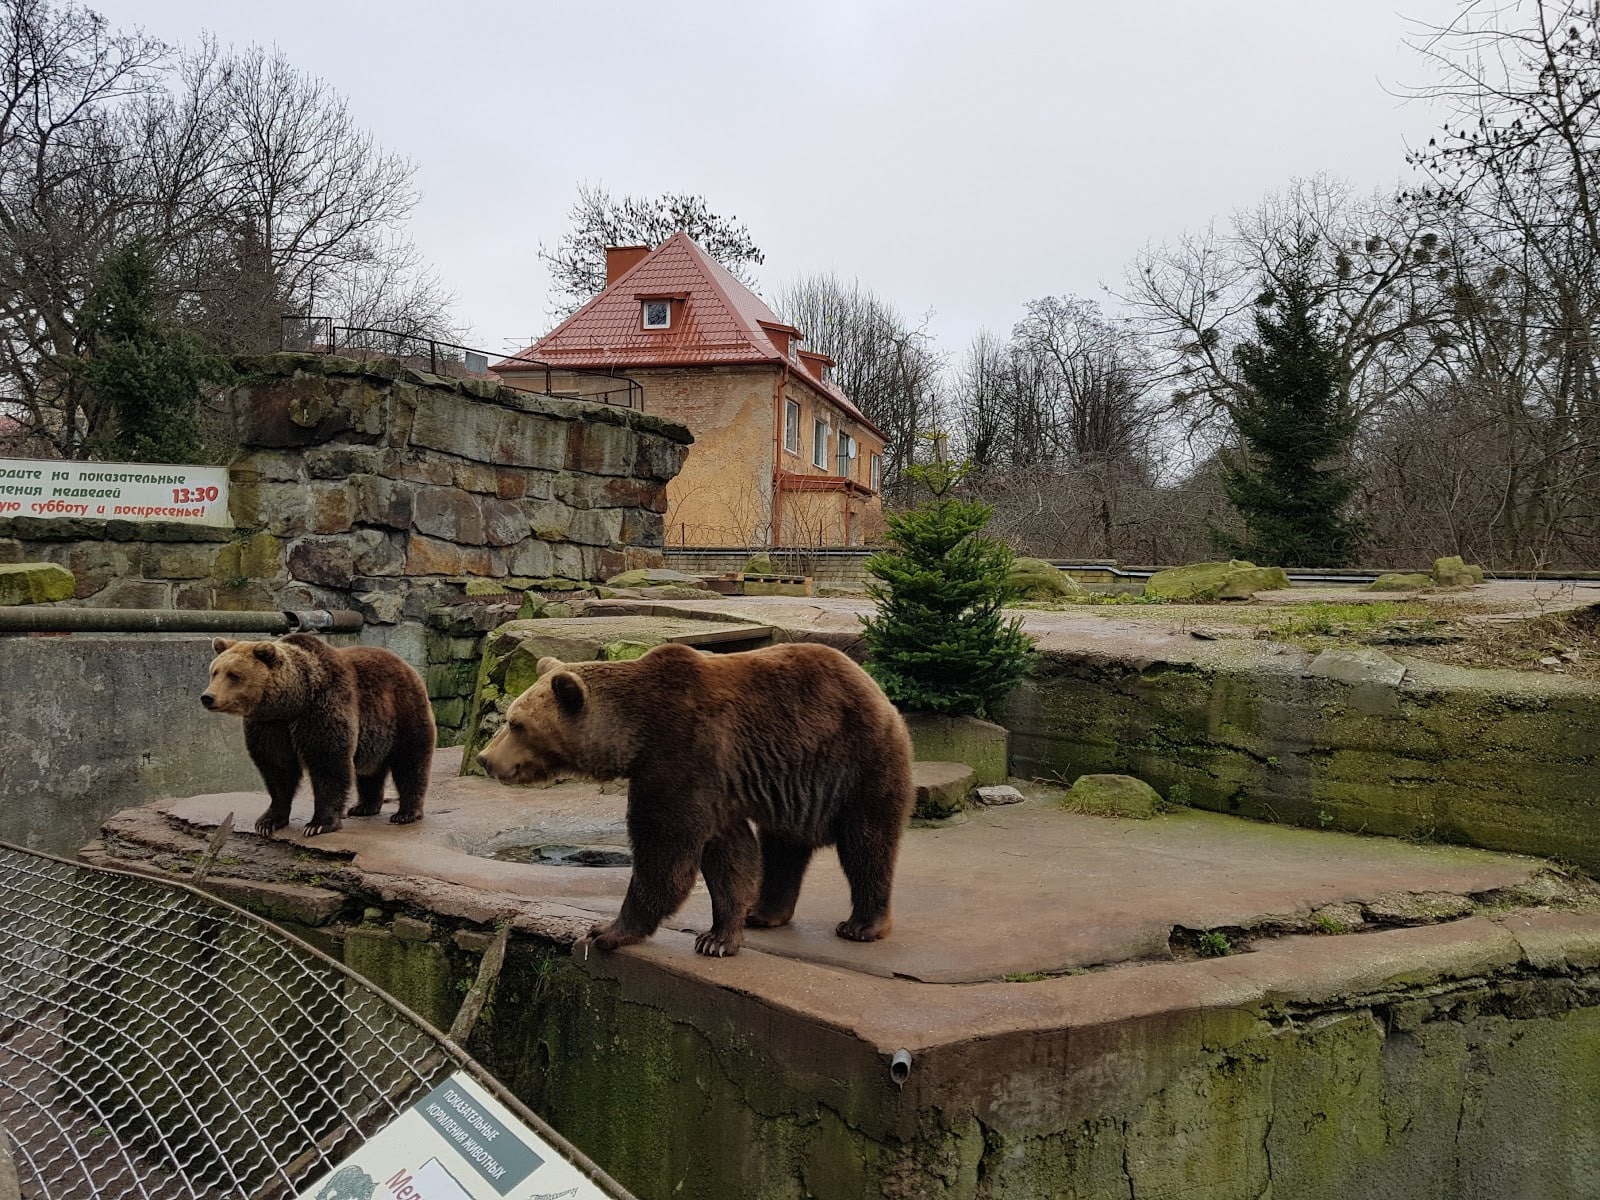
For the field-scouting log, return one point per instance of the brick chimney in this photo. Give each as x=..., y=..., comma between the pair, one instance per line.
x=622, y=259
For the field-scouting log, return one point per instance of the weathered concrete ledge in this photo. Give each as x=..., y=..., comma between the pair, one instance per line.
x=1450, y=1054
x=1352, y=739
x=1346, y=739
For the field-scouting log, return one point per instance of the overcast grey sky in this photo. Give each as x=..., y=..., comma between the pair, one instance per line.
x=956, y=157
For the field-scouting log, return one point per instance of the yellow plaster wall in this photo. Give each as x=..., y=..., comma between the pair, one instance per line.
x=829, y=518
x=723, y=495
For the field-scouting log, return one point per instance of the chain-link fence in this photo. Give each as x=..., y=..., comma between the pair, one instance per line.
x=157, y=1043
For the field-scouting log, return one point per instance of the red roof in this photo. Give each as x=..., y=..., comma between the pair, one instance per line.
x=716, y=320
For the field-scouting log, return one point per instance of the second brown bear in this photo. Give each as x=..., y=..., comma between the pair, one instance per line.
x=342, y=716
x=796, y=740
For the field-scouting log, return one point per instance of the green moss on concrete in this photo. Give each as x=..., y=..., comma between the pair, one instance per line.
x=34, y=583
x=1232, y=580
x=688, y=1092
x=1036, y=579
x=982, y=745
x=1496, y=759
x=418, y=974
x=1400, y=582
x=1451, y=571
x=1112, y=796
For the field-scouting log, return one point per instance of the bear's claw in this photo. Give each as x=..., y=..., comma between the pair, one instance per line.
x=266, y=826
x=404, y=818
x=607, y=938
x=314, y=827
x=716, y=945
x=864, y=931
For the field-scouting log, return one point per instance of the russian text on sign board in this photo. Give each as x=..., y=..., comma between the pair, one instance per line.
x=114, y=491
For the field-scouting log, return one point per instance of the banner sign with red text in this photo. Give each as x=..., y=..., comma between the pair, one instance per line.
x=456, y=1143
x=36, y=487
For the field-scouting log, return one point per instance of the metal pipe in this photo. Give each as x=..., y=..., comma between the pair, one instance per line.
x=900, y=1067
x=34, y=619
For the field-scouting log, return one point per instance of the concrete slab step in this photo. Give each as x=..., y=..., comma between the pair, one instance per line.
x=942, y=788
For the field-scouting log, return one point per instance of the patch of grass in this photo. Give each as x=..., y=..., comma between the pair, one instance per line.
x=1327, y=924
x=1213, y=943
x=1026, y=977
x=1323, y=619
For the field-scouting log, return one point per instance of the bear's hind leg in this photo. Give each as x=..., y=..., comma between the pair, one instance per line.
x=272, y=751
x=410, y=766
x=730, y=865
x=369, y=793
x=867, y=853
x=783, y=866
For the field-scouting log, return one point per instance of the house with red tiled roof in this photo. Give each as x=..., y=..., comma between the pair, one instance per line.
x=781, y=457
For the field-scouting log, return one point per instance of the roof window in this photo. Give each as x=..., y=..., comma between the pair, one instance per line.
x=656, y=314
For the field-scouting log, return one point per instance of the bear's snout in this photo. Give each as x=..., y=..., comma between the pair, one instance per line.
x=483, y=760
x=208, y=699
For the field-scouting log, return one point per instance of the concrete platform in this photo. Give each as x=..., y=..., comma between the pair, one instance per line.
x=1029, y=889
x=1042, y=976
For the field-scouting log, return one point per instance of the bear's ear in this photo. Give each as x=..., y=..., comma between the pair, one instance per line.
x=568, y=689
x=218, y=645
x=548, y=664
x=268, y=653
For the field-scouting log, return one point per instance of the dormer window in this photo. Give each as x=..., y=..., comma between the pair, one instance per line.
x=656, y=314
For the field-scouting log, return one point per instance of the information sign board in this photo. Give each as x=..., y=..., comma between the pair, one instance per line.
x=456, y=1143
x=38, y=487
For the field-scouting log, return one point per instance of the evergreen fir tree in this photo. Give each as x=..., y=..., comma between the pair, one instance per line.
x=1289, y=485
x=142, y=369
x=938, y=642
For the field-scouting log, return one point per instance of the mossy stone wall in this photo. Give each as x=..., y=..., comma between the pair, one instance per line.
x=1498, y=759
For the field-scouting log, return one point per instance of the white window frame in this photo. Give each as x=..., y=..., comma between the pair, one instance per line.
x=877, y=473
x=644, y=314
x=819, y=443
x=791, y=427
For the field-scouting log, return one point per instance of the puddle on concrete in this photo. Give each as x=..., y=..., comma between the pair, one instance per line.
x=558, y=855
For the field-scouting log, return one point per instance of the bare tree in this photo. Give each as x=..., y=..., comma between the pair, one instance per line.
x=891, y=369
x=249, y=182
x=1370, y=264
x=1516, y=174
x=577, y=263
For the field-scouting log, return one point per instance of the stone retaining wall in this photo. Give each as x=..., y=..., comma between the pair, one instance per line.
x=1349, y=740
x=373, y=486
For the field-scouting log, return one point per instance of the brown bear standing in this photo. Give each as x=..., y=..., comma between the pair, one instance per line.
x=342, y=716
x=795, y=739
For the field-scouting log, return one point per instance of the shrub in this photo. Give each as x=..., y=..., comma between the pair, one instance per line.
x=939, y=642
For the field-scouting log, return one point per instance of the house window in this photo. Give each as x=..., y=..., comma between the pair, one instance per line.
x=819, y=444
x=657, y=314
x=847, y=451
x=791, y=427
x=877, y=473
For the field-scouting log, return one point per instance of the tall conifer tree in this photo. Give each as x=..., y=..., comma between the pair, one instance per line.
x=1290, y=483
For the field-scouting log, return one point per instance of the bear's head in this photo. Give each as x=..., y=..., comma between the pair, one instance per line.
x=551, y=732
x=241, y=676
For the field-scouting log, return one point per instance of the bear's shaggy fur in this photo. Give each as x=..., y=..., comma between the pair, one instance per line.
x=795, y=739
x=342, y=716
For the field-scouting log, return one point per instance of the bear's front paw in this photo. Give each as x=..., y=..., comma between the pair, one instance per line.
x=366, y=810
x=404, y=818
x=607, y=937
x=719, y=945
x=320, y=825
x=267, y=824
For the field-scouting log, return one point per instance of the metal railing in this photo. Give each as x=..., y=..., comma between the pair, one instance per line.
x=319, y=335
x=157, y=1043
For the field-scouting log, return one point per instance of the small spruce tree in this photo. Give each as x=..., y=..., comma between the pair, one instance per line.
x=142, y=370
x=938, y=642
x=1296, y=423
